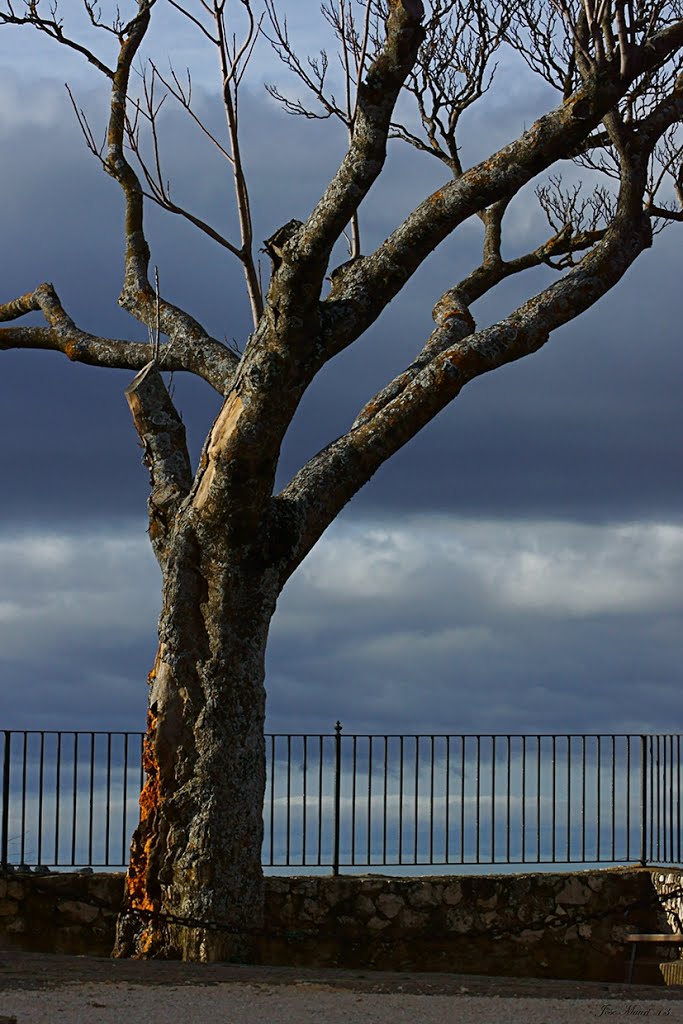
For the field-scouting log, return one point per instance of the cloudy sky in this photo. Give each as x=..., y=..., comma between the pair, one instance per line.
x=516, y=568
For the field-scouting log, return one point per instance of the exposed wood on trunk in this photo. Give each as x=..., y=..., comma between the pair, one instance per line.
x=220, y=434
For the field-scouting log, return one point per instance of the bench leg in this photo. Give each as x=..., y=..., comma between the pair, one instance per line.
x=631, y=962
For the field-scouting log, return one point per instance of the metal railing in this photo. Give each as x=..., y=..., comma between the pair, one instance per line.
x=344, y=801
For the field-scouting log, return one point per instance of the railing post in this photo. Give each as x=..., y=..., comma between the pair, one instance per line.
x=4, y=846
x=643, y=801
x=337, y=795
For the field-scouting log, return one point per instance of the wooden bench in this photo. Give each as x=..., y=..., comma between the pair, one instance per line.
x=666, y=939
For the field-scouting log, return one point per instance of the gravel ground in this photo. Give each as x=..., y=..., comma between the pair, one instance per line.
x=43, y=989
x=300, y=1004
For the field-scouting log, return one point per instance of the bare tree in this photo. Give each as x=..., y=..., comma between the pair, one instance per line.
x=226, y=543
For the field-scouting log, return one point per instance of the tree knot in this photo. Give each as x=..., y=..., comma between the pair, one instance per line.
x=275, y=245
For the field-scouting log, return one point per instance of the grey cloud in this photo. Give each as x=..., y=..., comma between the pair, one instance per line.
x=77, y=617
x=518, y=627
x=587, y=430
x=427, y=625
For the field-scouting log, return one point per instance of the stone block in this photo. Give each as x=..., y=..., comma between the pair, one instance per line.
x=330, y=897
x=421, y=895
x=15, y=890
x=314, y=911
x=286, y=913
x=106, y=890
x=364, y=907
x=17, y=927
x=452, y=894
x=488, y=904
x=8, y=908
x=77, y=912
x=64, y=886
x=306, y=888
x=412, y=920
x=372, y=885
x=389, y=904
x=573, y=892
x=342, y=887
x=277, y=885
x=344, y=921
x=459, y=921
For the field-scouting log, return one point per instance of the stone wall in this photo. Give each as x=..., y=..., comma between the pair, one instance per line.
x=543, y=925
x=59, y=913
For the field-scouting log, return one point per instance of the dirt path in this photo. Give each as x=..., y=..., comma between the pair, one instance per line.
x=37, y=971
x=240, y=1003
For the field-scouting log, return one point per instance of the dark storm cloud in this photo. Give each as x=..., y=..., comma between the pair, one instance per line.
x=425, y=635
x=589, y=427
x=586, y=428
x=64, y=225
x=425, y=625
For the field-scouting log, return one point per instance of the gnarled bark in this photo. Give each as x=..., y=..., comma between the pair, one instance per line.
x=194, y=887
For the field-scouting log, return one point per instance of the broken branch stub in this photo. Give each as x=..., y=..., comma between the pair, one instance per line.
x=162, y=434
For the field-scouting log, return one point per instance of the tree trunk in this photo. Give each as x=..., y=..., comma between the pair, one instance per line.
x=194, y=887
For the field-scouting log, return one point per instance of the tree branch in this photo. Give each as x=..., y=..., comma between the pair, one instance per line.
x=452, y=311
x=214, y=362
x=232, y=68
x=355, y=51
x=53, y=28
x=137, y=295
x=369, y=284
x=321, y=488
x=315, y=77
x=284, y=353
x=232, y=62
x=365, y=157
x=664, y=213
x=454, y=323
x=452, y=71
x=162, y=435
